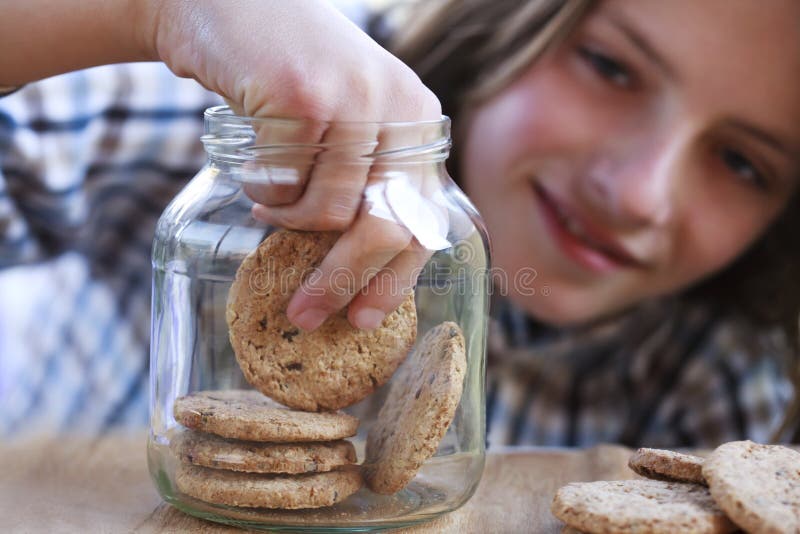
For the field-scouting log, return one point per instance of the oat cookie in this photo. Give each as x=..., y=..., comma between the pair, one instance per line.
x=267, y=491
x=420, y=406
x=660, y=464
x=640, y=506
x=332, y=367
x=249, y=415
x=758, y=486
x=208, y=450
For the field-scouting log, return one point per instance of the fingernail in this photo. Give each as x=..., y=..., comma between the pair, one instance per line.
x=260, y=213
x=369, y=318
x=310, y=319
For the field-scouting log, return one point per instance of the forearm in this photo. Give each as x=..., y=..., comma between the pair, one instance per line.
x=287, y=58
x=41, y=38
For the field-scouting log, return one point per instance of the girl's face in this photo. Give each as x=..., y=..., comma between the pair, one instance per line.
x=643, y=154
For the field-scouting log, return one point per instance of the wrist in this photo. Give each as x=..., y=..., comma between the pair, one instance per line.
x=144, y=19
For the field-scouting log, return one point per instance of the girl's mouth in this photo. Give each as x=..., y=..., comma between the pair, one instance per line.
x=588, y=246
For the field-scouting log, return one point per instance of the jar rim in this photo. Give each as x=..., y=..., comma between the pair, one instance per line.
x=233, y=138
x=224, y=113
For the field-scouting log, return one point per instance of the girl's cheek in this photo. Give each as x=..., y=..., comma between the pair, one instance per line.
x=557, y=111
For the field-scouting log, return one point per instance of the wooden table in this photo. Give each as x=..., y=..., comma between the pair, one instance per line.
x=74, y=484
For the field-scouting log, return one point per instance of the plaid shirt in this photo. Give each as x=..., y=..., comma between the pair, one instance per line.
x=88, y=161
x=663, y=375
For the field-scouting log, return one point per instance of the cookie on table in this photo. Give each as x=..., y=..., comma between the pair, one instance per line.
x=332, y=367
x=758, y=486
x=268, y=491
x=652, y=506
x=660, y=464
x=248, y=415
x=418, y=409
x=208, y=450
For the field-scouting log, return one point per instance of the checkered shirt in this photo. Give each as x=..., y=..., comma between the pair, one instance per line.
x=88, y=161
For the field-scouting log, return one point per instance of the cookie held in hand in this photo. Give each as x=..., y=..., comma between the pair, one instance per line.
x=332, y=367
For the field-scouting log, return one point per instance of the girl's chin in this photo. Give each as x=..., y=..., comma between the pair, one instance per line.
x=562, y=310
x=549, y=309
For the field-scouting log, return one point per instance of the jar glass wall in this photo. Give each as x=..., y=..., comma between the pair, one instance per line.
x=207, y=232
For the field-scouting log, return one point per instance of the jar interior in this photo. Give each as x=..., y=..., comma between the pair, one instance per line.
x=193, y=268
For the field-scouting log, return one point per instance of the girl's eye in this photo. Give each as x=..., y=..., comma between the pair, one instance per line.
x=743, y=168
x=608, y=67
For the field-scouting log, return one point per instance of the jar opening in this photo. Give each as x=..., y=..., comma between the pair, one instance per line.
x=274, y=140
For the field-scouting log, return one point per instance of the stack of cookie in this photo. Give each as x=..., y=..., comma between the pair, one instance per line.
x=246, y=452
x=242, y=449
x=741, y=485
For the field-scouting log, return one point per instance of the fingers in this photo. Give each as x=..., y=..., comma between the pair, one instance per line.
x=377, y=237
x=333, y=194
x=387, y=289
x=373, y=265
x=336, y=149
x=363, y=181
x=370, y=244
x=285, y=154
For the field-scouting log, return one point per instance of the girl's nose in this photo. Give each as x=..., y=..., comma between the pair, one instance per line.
x=636, y=185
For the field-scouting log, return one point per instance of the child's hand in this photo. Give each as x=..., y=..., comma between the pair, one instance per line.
x=302, y=58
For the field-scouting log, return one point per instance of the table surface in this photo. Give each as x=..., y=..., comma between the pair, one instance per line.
x=66, y=484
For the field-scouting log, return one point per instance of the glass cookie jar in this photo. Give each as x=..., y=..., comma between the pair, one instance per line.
x=258, y=423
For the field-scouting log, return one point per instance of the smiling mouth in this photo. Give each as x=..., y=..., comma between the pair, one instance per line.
x=580, y=241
